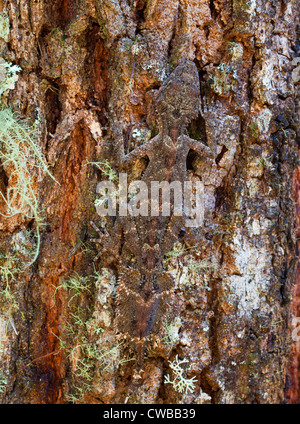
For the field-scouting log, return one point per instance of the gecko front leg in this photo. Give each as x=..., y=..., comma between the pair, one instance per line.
x=200, y=148
x=138, y=153
x=121, y=159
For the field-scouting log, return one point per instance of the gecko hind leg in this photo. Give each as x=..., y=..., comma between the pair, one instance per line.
x=109, y=243
x=101, y=234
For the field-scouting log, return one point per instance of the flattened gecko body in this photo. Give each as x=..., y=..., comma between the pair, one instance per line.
x=145, y=292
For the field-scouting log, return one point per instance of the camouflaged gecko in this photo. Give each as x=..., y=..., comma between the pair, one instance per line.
x=145, y=291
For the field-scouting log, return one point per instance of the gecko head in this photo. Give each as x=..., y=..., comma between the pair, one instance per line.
x=178, y=99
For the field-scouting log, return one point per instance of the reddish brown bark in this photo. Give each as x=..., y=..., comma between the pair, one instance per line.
x=85, y=65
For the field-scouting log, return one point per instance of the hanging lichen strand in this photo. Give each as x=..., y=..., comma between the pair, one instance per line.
x=22, y=161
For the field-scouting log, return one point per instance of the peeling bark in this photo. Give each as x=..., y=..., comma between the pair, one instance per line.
x=87, y=63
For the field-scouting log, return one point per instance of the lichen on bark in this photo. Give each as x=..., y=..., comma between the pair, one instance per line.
x=87, y=63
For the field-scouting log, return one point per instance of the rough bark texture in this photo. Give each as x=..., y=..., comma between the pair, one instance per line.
x=85, y=64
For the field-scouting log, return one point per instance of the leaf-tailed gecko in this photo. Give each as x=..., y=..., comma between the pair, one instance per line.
x=145, y=289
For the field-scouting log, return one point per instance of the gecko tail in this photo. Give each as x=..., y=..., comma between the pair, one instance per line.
x=141, y=351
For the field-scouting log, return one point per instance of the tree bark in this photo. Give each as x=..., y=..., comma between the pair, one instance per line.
x=87, y=65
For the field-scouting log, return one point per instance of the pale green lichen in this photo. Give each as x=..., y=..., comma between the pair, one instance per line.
x=220, y=80
x=8, y=76
x=105, y=167
x=180, y=383
x=177, y=251
x=171, y=332
x=20, y=154
x=244, y=6
x=4, y=26
x=236, y=51
x=141, y=135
